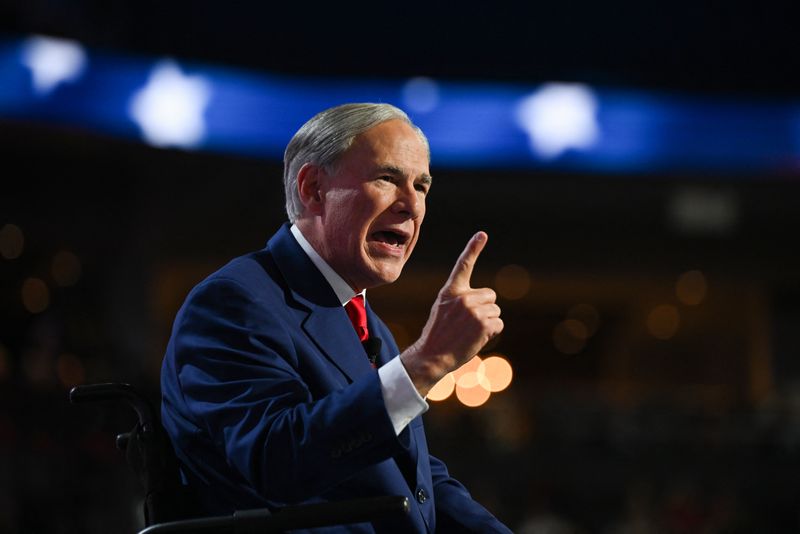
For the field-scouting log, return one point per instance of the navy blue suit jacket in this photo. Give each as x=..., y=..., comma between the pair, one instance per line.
x=269, y=399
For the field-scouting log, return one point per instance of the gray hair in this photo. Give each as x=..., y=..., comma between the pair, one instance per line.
x=326, y=136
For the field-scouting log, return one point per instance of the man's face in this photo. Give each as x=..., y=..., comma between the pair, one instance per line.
x=373, y=203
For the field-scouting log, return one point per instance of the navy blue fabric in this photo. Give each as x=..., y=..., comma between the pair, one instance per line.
x=270, y=400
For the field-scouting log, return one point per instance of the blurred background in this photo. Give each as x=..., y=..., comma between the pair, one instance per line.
x=637, y=168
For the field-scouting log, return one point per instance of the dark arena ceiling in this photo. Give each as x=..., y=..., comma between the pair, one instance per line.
x=737, y=48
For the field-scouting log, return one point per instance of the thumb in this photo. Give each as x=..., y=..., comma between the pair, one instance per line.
x=462, y=271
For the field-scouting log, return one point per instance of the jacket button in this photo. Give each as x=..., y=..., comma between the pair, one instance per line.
x=421, y=496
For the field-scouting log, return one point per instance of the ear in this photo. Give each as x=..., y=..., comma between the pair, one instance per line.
x=309, y=182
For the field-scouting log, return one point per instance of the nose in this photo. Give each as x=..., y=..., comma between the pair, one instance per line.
x=409, y=201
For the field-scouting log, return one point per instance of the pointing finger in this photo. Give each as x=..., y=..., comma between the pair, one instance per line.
x=462, y=271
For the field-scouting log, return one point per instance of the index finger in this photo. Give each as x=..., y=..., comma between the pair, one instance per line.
x=462, y=271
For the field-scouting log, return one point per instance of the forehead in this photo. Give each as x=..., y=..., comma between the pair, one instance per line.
x=392, y=142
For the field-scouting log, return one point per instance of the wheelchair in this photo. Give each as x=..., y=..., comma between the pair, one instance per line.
x=168, y=506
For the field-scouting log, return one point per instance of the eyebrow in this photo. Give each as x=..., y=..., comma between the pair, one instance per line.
x=425, y=178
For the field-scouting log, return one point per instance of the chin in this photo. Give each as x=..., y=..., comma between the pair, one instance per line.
x=384, y=276
x=384, y=279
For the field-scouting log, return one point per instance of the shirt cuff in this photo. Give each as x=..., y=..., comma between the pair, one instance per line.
x=403, y=401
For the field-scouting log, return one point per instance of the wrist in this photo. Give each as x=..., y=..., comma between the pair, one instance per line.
x=424, y=371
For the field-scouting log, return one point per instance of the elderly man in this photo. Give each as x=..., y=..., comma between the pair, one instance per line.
x=275, y=390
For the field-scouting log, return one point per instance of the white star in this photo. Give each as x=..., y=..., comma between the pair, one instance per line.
x=558, y=117
x=52, y=61
x=421, y=94
x=169, y=108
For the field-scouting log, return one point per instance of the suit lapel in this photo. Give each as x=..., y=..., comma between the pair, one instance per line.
x=409, y=462
x=326, y=322
x=334, y=335
x=378, y=328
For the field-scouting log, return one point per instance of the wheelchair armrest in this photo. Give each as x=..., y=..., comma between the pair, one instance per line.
x=116, y=391
x=291, y=517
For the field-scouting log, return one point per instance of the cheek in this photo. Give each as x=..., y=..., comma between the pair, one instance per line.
x=413, y=244
x=349, y=219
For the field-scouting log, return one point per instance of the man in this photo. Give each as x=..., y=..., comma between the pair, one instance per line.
x=269, y=395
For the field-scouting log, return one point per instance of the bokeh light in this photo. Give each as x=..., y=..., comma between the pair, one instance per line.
x=569, y=336
x=498, y=373
x=559, y=117
x=35, y=295
x=38, y=366
x=512, y=282
x=691, y=288
x=474, y=374
x=443, y=388
x=576, y=329
x=70, y=370
x=472, y=396
x=170, y=108
x=53, y=61
x=475, y=381
x=66, y=268
x=586, y=314
x=12, y=241
x=421, y=94
x=469, y=367
x=663, y=321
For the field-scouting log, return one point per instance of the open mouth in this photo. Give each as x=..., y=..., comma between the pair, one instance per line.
x=390, y=237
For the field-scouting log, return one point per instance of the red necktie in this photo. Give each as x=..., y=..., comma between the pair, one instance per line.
x=358, y=316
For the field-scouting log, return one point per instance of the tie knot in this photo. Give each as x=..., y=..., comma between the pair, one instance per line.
x=358, y=316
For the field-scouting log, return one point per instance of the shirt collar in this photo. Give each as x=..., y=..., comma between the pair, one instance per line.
x=342, y=289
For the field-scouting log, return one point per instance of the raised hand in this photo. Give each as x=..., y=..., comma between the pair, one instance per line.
x=462, y=320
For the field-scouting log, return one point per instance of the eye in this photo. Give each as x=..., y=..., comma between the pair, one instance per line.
x=422, y=187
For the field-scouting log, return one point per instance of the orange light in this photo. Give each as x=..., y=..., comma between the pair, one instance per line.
x=471, y=366
x=472, y=397
x=35, y=295
x=576, y=329
x=512, y=282
x=443, y=388
x=663, y=321
x=498, y=373
x=70, y=370
x=691, y=288
x=475, y=381
x=586, y=314
x=475, y=378
x=569, y=336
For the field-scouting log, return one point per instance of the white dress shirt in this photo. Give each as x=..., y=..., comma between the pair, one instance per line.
x=403, y=401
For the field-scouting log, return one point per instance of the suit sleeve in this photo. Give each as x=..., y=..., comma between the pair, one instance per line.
x=456, y=510
x=241, y=378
